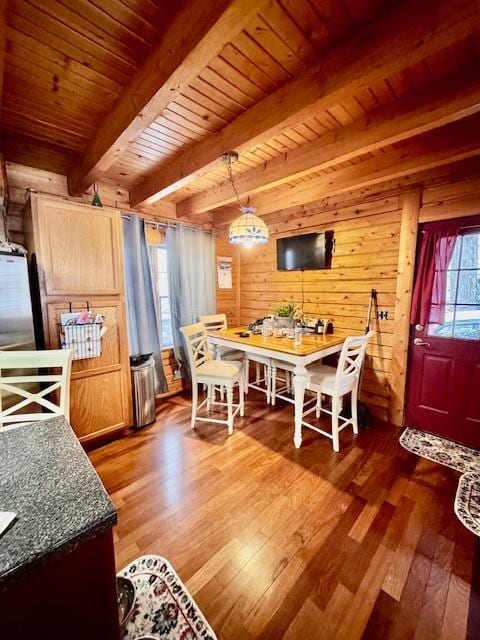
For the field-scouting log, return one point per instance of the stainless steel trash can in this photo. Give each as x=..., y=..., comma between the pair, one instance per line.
x=143, y=387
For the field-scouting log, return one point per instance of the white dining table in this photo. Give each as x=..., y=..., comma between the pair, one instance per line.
x=313, y=348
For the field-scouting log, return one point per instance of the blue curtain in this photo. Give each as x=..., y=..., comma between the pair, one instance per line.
x=143, y=323
x=191, y=279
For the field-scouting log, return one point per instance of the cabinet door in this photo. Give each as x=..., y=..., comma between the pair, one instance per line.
x=100, y=389
x=80, y=249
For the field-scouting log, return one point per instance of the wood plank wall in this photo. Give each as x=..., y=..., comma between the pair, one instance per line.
x=366, y=257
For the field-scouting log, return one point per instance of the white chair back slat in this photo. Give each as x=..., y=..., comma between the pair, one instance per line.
x=214, y=322
x=196, y=342
x=351, y=360
x=13, y=362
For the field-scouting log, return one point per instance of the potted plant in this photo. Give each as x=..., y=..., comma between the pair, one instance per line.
x=286, y=314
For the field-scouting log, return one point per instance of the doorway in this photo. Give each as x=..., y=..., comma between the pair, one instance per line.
x=443, y=395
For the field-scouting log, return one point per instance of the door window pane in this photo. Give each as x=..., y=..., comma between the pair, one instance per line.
x=470, y=252
x=467, y=322
x=468, y=287
x=462, y=298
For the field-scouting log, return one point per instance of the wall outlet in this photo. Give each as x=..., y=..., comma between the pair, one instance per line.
x=382, y=315
x=177, y=375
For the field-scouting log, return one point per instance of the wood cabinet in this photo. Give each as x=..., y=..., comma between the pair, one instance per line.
x=77, y=253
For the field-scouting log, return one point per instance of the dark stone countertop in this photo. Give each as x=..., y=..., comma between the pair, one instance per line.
x=47, y=479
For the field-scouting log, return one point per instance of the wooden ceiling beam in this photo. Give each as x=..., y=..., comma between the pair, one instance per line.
x=429, y=109
x=435, y=149
x=196, y=35
x=403, y=36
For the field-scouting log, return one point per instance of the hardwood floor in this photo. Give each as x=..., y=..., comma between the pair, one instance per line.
x=275, y=542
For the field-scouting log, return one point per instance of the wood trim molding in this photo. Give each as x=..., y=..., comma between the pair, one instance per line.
x=371, y=55
x=196, y=35
x=410, y=203
x=435, y=106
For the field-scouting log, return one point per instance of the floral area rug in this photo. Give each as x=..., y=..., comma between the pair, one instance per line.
x=440, y=450
x=163, y=607
x=458, y=457
x=467, y=501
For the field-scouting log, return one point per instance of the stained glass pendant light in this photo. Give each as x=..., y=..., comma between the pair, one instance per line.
x=248, y=229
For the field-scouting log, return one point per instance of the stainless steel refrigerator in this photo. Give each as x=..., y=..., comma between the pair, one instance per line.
x=16, y=319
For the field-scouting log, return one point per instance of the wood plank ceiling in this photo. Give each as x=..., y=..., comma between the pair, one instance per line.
x=68, y=65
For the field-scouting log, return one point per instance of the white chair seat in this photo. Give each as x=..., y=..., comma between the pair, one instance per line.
x=322, y=379
x=219, y=369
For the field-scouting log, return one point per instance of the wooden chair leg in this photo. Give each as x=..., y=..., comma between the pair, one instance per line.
x=335, y=435
x=230, y=409
x=194, y=404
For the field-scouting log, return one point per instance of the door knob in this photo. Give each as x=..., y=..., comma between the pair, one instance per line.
x=418, y=342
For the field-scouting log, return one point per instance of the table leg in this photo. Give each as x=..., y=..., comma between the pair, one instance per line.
x=299, y=382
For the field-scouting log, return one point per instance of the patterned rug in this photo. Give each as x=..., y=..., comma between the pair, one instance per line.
x=438, y=449
x=163, y=607
x=467, y=501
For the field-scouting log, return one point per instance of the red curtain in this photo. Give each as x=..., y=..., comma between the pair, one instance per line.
x=430, y=289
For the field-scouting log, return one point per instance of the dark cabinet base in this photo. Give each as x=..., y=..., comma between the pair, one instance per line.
x=73, y=596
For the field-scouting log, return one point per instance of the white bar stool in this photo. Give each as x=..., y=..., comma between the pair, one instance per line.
x=336, y=383
x=212, y=373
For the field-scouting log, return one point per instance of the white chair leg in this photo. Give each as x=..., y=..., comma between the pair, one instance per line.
x=353, y=400
x=194, y=404
x=247, y=374
x=209, y=396
x=230, y=409
x=318, y=406
x=288, y=382
x=241, y=398
x=268, y=381
x=222, y=393
x=335, y=412
x=274, y=385
x=257, y=373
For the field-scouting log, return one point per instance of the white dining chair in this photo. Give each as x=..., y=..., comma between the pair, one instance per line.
x=214, y=374
x=216, y=322
x=336, y=383
x=35, y=386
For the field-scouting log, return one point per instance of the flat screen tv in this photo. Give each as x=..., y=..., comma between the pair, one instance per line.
x=309, y=251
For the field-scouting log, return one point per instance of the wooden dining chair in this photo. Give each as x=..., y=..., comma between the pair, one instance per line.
x=337, y=383
x=35, y=386
x=214, y=374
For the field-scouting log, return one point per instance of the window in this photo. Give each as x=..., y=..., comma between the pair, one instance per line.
x=462, y=311
x=158, y=253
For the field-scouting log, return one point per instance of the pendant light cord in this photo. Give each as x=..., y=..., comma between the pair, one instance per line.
x=231, y=180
